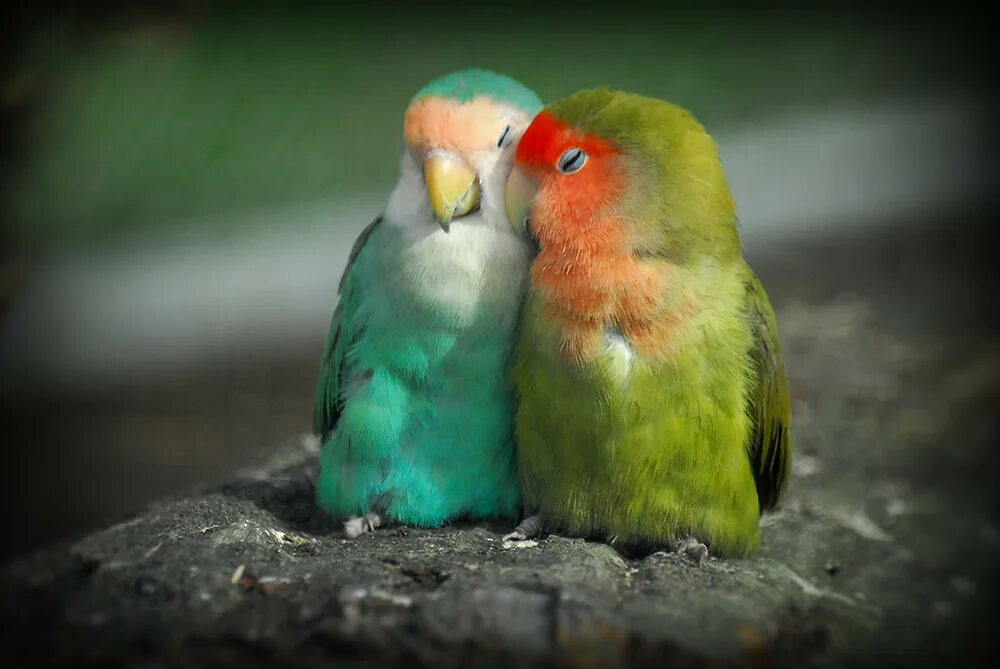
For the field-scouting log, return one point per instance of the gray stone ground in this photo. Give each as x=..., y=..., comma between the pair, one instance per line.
x=885, y=553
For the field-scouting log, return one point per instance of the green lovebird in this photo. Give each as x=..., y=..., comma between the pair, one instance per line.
x=414, y=404
x=654, y=408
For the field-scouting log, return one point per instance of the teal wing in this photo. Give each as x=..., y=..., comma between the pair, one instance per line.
x=328, y=404
x=770, y=446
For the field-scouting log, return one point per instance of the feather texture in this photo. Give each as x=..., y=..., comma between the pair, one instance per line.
x=414, y=383
x=770, y=408
x=653, y=399
x=413, y=403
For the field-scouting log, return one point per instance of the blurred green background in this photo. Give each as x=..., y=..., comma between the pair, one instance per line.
x=149, y=119
x=182, y=183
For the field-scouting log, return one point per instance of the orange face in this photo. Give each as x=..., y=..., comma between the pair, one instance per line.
x=437, y=123
x=458, y=144
x=586, y=183
x=585, y=271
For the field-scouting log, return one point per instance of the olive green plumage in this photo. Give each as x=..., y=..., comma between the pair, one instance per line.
x=691, y=437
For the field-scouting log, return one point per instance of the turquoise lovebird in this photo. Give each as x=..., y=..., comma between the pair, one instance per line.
x=414, y=404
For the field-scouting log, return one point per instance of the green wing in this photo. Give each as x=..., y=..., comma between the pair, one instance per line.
x=770, y=447
x=326, y=409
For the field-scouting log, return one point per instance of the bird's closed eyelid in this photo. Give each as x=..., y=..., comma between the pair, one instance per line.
x=506, y=138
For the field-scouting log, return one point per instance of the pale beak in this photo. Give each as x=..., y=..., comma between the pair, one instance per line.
x=452, y=187
x=519, y=198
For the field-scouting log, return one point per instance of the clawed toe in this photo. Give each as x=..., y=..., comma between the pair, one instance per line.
x=692, y=548
x=355, y=526
x=528, y=528
x=698, y=553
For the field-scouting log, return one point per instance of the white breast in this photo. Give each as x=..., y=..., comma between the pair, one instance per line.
x=476, y=263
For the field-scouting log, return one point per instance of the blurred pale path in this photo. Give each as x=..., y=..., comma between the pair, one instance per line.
x=91, y=318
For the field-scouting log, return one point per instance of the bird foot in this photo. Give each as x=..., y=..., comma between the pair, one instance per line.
x=355, y=526
x=528, y=528
x=690, y=547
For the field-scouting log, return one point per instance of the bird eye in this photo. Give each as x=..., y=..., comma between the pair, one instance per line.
x=505, y=138
x=571, y=160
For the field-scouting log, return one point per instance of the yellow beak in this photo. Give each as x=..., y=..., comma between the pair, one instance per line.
x=452, y=187
x=519, y=198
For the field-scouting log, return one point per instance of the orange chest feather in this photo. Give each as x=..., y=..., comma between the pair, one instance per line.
x=590, y=281
x=586, y=272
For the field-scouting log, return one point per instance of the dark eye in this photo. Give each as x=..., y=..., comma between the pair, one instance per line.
x=505, y=138
x=571, y=160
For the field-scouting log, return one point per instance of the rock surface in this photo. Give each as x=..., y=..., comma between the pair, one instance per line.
x=884, y=554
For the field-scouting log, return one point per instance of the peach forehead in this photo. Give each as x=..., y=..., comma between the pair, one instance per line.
x=448, y=124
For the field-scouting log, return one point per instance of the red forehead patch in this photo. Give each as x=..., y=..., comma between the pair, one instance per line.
x=548, y=137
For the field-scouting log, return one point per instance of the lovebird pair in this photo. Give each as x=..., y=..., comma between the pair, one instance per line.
x=553, y=318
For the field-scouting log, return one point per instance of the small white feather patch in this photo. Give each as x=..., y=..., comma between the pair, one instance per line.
x=621, y=353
